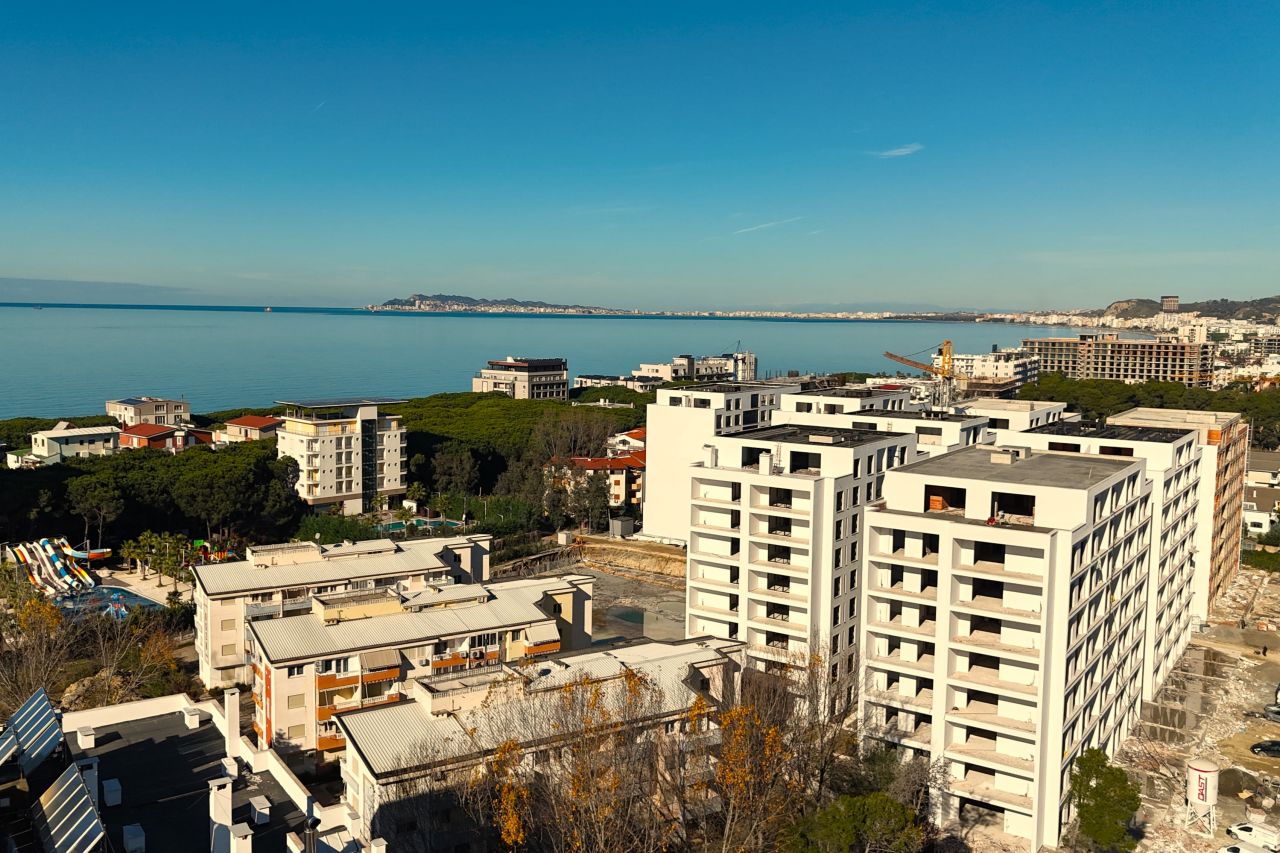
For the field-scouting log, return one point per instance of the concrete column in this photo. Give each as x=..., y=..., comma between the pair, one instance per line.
x=231, y=710
x=220, y=815
x=242, y=838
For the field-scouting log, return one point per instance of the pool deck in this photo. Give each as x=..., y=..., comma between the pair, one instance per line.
x=149, y=588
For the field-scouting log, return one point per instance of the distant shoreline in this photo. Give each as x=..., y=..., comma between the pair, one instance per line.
x=298, y=309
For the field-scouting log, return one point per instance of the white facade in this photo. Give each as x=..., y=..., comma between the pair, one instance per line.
x=51, y=446
x=936, y=432
x=278, y=580
x=525, y=378
x=1004, y=608
x=1015, y=365
x=1018, y=415
x=773, y=518
x=849, y=399
x=729, y=367
x=677, y=425
x=347, y=453
x=1172, y=461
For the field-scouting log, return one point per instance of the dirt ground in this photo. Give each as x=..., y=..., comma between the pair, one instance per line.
x=1210, y=708
x=631, y=605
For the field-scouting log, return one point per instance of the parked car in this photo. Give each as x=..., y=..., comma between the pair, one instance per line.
x=1241, y=847
x=1272, y=713
x=1269, y=748
x=1263, y=835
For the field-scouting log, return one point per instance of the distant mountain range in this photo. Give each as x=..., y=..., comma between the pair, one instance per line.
x=1266, y=308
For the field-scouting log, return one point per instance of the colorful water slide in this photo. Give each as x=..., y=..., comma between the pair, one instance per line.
x=70, y=556
x=52, y=581
x=25, y=562
x=59, y=565
x=91, y=554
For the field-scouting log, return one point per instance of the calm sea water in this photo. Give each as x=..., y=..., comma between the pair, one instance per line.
x=68, y=361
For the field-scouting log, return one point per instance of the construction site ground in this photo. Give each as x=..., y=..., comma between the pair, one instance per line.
x=1210, y=707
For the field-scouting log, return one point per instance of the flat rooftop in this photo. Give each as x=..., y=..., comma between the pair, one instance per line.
x=164, y=770
x=997, y=404
x=334, y=402
x=329, y=565
x=815, y=435
x=72, y=432
x=725, y=387
x=1039, y=468
x=1190, y=418
x=853, y=393
x=1115, y=432
x=1264, y=460
x=941, y=417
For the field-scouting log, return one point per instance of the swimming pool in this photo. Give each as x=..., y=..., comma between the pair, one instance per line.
x=398, y=526
x=101, y=599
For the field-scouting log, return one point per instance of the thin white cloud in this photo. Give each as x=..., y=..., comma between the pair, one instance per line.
x=818, y=231
x=764, y=225
x=900, y=151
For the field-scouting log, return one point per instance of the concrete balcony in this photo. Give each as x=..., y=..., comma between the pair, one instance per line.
x=765, y=593
x=901, y=556
x=990, y=606
x=796, y=626
x=781, y=537
x=983, y=678
x=716, y=612
x=922, y=699
x=716, y=529
x=988, y=719
x=795, y=653
x=896, y=661
x=710, y=501
x=997, y=571
x=983, y=791
x=990, y=643
x=898, y=626
x=791, y=569
x=709, y=583
x=790, y=511
x=723, y=559
x=920, y=737
x=900, y=591
x=991, y=757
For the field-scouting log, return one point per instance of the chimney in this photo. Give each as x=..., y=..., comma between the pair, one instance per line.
x=220, y=815
x=712, y=455
x=242, y=838
x=231, y=710
x=310, y=834
x=766, y=463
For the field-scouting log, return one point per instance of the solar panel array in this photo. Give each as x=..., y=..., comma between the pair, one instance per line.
x=65, y=818
x=36, y=731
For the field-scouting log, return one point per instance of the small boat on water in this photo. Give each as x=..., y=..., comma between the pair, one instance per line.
x=267, y=309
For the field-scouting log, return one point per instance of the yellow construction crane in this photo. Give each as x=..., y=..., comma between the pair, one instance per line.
x=945, y=393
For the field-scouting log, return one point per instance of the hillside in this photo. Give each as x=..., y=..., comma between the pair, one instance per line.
x=1266, y=308
x=455, y=302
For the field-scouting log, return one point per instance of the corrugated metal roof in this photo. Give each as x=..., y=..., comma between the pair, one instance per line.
x=542, y=633
x=242, y=577
x=307, y=637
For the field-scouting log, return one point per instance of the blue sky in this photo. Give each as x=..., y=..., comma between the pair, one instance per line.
x=1011, y=154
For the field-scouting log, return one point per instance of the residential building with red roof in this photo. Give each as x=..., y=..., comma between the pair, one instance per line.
x=160, y=437
x=248, y=428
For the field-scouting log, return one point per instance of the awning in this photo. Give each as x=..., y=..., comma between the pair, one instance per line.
x=381, y=659
x=543, y=632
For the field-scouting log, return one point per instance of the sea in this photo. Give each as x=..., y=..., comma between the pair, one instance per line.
x=64, y=360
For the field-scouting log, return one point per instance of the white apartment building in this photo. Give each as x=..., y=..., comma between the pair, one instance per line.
x=728, y=367
x=525, y=378
x=65, y=441
x=936, y=432
x=280, y=580
x=773, y=519
x=359, y=649
x=1172, y=461
x=1000, y=372
x=1224, y=445
x=1004, y=614
x=347, y=452
x=676, y=425
x=1017, y=415
x=450, y=724
x=849, y=399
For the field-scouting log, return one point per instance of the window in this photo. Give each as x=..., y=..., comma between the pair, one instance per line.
x=297, y=732
x=839, y=500
x=295, y=671
x=835, y=586
x=835, y=615
x=333, y=665
x=839, y=528
x=228, y=624
x=229, y=649
x=298, y=700
x=838, y=557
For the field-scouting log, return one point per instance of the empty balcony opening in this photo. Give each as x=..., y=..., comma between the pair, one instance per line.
x=981, y=702
x=781, y=498
x=980, y=739
x=733, y=603
x=778, y=583
x=988, y=591
x=780, y=612
x=1010, y=508
x=984, y=628
x=735, y=492
x=929, y=581
x=897, y=574
x=944, y=499
x=899, y=543
x=774, y=640
x=780, y=554
x=735, y=519
x=930, y=544
x=779, y=526
x=734, y=547
x=895, y=612
x=733, y=631
x=989, y=552
x=751, y=456
x=1064, y=446
x=984, y=667
x=803, y=462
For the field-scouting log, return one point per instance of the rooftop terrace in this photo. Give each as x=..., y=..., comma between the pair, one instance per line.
x=1096, y=429
x=815, y=435
x=1037, y=468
